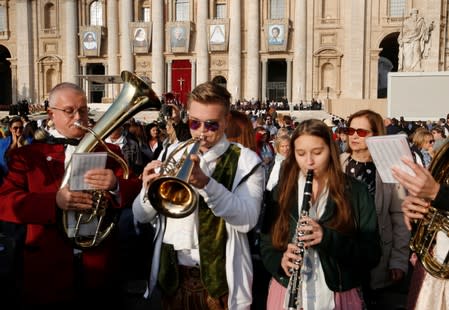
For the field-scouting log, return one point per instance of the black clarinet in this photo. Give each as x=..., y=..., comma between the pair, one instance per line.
x=295, y=283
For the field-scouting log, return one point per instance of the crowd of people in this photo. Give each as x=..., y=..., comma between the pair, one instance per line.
x=282, y=104
x=248, y=233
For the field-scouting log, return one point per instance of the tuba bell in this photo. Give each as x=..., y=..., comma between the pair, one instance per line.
x=135, y=96
x=434, y=225
x=171, y=194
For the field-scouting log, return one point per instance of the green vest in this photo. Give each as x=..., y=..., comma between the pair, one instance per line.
x=212, y=238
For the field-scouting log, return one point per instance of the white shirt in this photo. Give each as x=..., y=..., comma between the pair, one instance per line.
x=239, y=208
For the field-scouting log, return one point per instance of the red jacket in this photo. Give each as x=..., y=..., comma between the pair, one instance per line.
x=28, y=196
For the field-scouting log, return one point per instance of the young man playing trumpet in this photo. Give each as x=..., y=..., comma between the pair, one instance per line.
x=203, y=261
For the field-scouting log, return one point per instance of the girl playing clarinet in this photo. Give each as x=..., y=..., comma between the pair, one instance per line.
x=339, y=236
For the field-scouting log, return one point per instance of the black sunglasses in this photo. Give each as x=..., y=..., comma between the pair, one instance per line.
x=360, y=132
x=209, y=125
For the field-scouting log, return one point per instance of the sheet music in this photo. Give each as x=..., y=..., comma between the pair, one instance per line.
x=81, y=163
x=387, y=152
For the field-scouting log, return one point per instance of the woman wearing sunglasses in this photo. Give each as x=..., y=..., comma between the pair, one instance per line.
x=357, y=162
x=14, y=140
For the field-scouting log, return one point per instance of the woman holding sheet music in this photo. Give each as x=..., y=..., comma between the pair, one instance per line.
x=357, y=162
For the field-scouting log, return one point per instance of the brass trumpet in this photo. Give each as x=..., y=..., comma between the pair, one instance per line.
x=171, y=194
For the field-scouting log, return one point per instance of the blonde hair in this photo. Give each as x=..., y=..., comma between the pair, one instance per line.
x=419, y=138
x=279, y=139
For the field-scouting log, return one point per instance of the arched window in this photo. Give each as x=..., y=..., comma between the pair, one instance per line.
x=182, y=10
x=277, y=9
x=328, y=76
x=49, y=16
x=220, y=9
x=51, y=79
x=396, y=8
x=146, y=13
x=330, y=8
x=96, y=13
x=3, y=23
x=144, y=9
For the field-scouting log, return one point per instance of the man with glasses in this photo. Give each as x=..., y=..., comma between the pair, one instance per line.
x=203, y=260
x=56, y=273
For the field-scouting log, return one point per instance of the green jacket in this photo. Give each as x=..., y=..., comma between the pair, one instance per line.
x=346, y=260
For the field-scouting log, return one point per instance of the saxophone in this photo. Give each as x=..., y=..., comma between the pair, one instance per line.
x=294, y=289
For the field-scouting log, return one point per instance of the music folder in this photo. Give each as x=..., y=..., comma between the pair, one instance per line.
x=81, y=163
x=387, y=152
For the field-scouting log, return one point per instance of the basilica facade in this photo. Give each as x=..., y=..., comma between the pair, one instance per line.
x=337, y=50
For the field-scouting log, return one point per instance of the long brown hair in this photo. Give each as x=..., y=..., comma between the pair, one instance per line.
x=240, y=129
x=288, y=180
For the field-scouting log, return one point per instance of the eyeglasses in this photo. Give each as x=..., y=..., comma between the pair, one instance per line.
x=17, y=128
x=360, y=132
x=209, y=125
x=69, y=112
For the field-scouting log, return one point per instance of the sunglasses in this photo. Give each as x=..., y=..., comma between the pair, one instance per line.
x=17, y=127
x=209, y=125
x=431, y=141
x=360, y=132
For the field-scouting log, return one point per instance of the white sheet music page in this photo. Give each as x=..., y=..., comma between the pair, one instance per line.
x=387, y=152
x=81, y=163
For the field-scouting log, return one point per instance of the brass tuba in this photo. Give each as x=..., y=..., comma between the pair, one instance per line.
x=171, y=194
x=435, y=223
x=135, y=96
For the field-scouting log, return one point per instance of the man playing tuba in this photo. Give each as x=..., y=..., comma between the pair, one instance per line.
x=56, y=273
x=203, y=260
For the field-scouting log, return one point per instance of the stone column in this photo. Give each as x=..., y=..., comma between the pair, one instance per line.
x=235, y=48
x=289, y=80
x=300, y=55
x=85, y=82
x=126, y=15
x=253, y=64
x=14, y=86
x=202, y=55
x=113, y=64
x=354, y=42
x=264, y=80
x=71, y=41
x=25, y=65
x=169, y=81
x=157, y=59
x=194, y=74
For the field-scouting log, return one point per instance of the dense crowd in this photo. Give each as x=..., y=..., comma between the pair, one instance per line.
x=239, y=249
